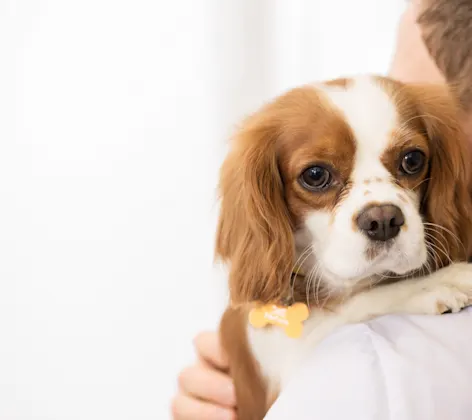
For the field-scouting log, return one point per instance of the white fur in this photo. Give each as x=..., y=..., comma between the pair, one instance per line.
x=340, y=251
x=280, y=356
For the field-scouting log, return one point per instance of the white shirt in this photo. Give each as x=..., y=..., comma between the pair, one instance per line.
x=391, y=368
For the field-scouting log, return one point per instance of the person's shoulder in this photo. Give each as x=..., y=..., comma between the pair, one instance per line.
x=392, y=367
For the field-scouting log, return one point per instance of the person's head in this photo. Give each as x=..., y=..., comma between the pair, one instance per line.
x=446, y=28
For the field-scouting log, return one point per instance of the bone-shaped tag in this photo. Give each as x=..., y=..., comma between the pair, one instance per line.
x=290, y=318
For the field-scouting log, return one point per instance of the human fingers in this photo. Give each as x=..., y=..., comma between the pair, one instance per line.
x=208, y=348
x=206, y=383
x=188, y=408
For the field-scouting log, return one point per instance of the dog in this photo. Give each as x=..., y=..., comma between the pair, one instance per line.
x=340, y=201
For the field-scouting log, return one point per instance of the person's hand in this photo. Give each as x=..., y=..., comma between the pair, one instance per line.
x=206, y=392
x=412, y=62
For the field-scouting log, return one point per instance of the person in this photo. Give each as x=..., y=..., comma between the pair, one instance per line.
x=433, y=43
x=206, y=391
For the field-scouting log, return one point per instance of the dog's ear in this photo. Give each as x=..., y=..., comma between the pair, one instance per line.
x=254, y=233
x=447, y=200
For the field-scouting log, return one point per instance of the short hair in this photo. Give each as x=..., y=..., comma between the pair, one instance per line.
x=446, y=27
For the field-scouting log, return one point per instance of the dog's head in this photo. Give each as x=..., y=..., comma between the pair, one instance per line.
x=353, y=178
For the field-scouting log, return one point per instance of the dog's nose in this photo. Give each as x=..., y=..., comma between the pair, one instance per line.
x=381, y=222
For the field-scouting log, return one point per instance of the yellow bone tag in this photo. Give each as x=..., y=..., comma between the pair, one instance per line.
x=290, y=318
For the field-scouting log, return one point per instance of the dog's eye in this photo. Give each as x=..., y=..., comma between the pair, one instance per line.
x=413, y=162
x=315, y=178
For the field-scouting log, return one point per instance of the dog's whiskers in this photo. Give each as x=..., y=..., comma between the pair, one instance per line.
x=297, y=266
x=314, y=277
x=440, y=247
x=431, y=226
x=433, y=255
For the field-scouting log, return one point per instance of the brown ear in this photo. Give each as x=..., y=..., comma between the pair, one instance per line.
x=447, y=200
x=254, y=233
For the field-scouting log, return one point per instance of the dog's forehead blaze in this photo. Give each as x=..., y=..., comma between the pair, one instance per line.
x=348, y=128
x=384, y=121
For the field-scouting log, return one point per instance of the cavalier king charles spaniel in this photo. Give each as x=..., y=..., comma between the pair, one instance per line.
x=350, y=197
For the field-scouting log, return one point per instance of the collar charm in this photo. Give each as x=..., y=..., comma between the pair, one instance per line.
x=290, y=318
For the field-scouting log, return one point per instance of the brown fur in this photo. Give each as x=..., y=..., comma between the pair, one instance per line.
x=432, y=113
x=342, y=82
x=410, y=136
x=447, y=199
x=251, y=392
x=254, y=230
x=262, y=202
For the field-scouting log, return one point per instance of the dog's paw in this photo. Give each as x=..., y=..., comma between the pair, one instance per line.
x=448, y=290
x=438, y=299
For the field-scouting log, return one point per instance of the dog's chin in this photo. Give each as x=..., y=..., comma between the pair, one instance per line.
x=383, y=269
x=340, y=284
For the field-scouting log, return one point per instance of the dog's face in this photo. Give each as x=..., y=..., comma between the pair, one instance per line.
x=348, y=179
x=354, y=184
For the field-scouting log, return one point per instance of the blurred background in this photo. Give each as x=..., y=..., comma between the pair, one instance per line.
x=114, y=119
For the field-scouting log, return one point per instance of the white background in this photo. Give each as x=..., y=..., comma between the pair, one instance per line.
x=114, y=117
